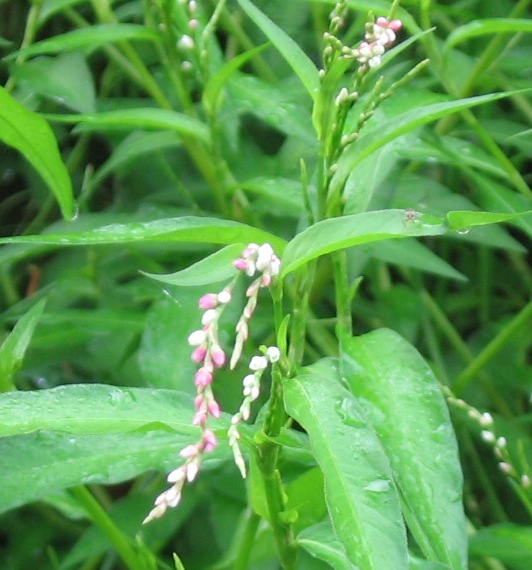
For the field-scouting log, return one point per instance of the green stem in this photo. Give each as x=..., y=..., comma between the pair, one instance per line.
x=491, y=350
x=247, y=541
x=29, y=34
x=116, y=537
x=267, y=460
x=343, y=300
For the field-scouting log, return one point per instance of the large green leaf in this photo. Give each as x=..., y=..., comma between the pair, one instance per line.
x=293, y=54
x=141, y=118
x=32, y=137
x=90, y=37
x=185, y=229
x=403, y=401
x=36, y=464
x=362, y=499
x=90, y=409
x=338, y=233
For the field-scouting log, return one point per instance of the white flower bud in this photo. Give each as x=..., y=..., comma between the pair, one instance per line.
x=273, y=354
x=197, y=337
x=258, y=363
x=209, y=316
x=487, y=436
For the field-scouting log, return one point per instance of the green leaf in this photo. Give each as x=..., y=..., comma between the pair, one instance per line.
x=36, y=464
x=141, y=118
x=403, y=401
x=362, y=500
x=89, y=409
x=66, y=79
x=509, y=543
x=293, y=54
x=213, y=87
x=212, y=269
x=412, y=253
x=185, y=229
x=32, y=136
x=320, y=541
x=485, y=27
x=90, y=37
x=338, y=233
x=462, y=221
x=14, y=346
x=385, y=132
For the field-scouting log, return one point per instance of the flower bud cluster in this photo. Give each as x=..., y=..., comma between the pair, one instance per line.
x=255, y=259
x=379, y=36
x=209, y=355
x=486, y=422
x=251, y=391
x=186, y=44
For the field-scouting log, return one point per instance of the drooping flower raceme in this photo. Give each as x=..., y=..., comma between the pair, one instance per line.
x=256, y=261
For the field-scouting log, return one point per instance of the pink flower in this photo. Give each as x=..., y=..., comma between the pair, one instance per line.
x=240, y=264
x=214, y=409
x=208, y=301
x=218, y=356
x=189, y=451
x=202, y=377
x=209, y=440
x=198, y=354
x=200, y=417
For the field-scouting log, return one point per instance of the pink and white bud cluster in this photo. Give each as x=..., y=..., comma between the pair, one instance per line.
x=255, y=259
x=251, y=391
x=379, y=36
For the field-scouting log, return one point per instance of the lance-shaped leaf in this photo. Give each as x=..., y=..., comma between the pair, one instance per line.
x=32, y=136
x=403, y=401
x=361, y=497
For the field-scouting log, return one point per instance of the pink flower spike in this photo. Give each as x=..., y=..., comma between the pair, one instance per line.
x=240, y=264
x=202, y=377
x=218, y=356
x=208, y=301
x=209, y=440
x=198, y=354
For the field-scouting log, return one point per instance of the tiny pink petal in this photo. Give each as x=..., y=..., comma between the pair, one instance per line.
x=202, y=377
x=218, y=356
x=208, y=301
x=198, y=354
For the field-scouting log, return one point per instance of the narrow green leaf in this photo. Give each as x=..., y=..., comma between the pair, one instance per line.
x=32, y=136
x=485, y=27
x=399, y=125
x=90, y=37
x=215, y=83
x=293, y=54
x=338, y=233
x=320, y=541
x=185, y=229
x=141, y=118
x=89, y=409
x=212, y=269
x=362, y=500
x=14, y=346
x=464, y=220
x=403, y=401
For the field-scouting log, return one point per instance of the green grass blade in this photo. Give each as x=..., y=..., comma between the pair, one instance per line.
x=142, y=118
x=487, y=26
x=361, y=497
x=403, y=401
x=91, y=37
x=15, y=344
x=31, y=135
x=293, y=54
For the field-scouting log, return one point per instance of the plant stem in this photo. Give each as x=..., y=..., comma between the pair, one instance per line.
x=267, y=460
x=116, y=537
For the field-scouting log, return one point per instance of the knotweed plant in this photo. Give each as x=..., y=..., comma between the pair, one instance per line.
x=348, y=390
